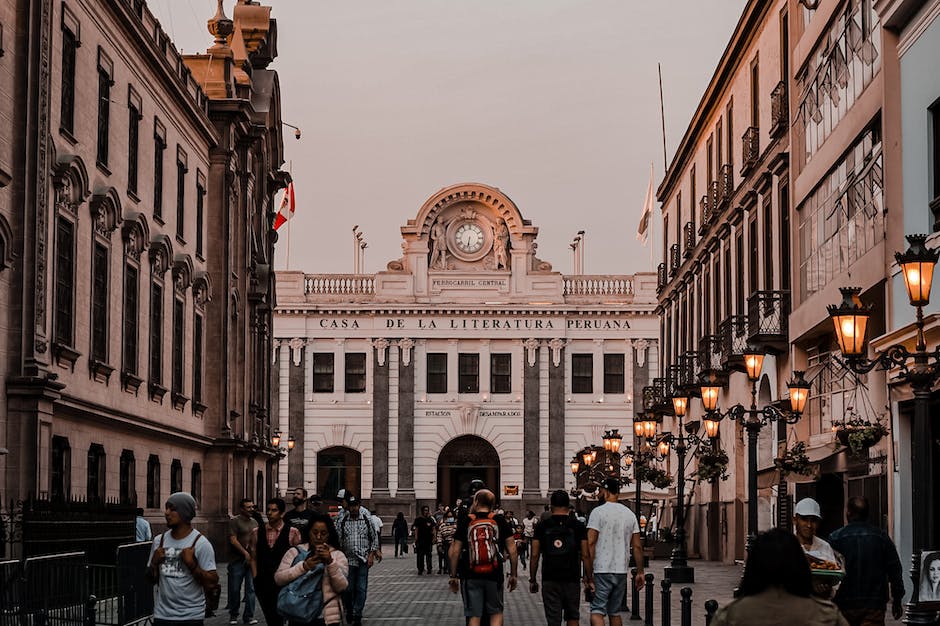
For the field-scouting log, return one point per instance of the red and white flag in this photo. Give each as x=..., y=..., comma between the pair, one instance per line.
x=286, y=211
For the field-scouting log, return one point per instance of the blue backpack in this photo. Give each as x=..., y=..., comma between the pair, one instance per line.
x=302, y=599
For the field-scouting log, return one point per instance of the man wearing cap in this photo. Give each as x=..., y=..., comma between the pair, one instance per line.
x=612, y=530
x=299, y=517
x=806, y=517
x=182, y=564
x=358, y=542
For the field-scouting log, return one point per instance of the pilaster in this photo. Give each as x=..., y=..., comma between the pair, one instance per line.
x=530, y=419
x=380, y=367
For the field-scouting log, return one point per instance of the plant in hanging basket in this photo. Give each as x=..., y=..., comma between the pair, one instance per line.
x=712, y=465
x=859, y=435
x=653, y=475
x=794, y=461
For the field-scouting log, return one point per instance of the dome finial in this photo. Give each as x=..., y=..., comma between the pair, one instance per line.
x=221, y=27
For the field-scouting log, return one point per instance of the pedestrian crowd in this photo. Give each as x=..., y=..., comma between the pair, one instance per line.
x=308, y=567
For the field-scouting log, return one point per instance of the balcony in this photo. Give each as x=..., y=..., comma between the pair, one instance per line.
x=714, y=197
x=688, y=371
x=767, y=315
x=709, y=354
x=750, y=149
x=733, y=332
x=704, y=211
x=339, y=284
x=661, y=278
x=675, y=259
x=660, y=397
x=779, y=110
x=725, y=185
x=689, y=232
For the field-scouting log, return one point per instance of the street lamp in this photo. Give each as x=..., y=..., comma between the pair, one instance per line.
x=291, y=442
x=921, y=369
x=276, y=439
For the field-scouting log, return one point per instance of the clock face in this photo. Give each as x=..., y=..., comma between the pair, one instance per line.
x=469, y=237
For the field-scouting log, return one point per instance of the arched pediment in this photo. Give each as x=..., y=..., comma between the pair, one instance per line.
x=202, y=288
x=182, y=272
x=6, y=244
x=70, y=180
x=105, y=207
x=491, y=197
x=136, y=234
x=161, y=251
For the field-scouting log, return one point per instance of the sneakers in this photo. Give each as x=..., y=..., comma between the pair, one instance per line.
x=252, y=622
x=233, y=621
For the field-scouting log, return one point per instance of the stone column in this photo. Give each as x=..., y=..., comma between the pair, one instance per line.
x=485, y=390
x=406, y=421
x=380, y=418
x=299, y=376
x=557, y=463
x=283, y=408
x=530, y=421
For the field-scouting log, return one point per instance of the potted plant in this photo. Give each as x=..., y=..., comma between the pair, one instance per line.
x=712, y=465
x=794, y=461
x=859, y=435
x=655, y=476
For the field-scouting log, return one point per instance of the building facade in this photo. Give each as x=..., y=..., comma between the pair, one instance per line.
x=469, y=357
x=114, y=285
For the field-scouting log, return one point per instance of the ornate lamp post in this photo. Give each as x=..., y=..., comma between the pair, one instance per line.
x=921, y=369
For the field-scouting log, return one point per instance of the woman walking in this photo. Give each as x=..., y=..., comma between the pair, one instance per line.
x=400, y=534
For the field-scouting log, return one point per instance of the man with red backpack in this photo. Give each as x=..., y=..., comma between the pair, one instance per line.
x=476, y=560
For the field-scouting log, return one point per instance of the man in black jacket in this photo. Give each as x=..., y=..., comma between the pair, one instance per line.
x=871, y=566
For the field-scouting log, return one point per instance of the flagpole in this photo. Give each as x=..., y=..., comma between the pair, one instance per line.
x=290, y=170
x=662, y=114
x=652, y=226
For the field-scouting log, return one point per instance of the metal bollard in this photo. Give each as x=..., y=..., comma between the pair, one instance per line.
x=635, y=600
x=710, y=607
x=685, y=606
x=649, y=600
x=667, y=602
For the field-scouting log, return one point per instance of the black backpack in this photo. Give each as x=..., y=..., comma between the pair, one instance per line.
x=559, y=539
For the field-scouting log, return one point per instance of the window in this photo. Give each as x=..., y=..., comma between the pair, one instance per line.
x=614, y=373
x=60, y=474
x=729, y=150
x=65, y=282
x=437, y=372
x=200, y=209
x=501, y=373
x=127, y=492
x=784, y=237
x=197, y=358
x=582, y=373
x=709, y=163
x=755, y=94
x=727, y=296
x=468, y=373
x=181, y=170
x=176, y=476
x=692, y=196
x=131, y=311
x=178, y=333
x=752, y=242
x=769, y=245
x=259, y=487
x=196, y=482
x=104, y=107
x=156, y=333
x=99, y=303
x=159, y=146
x=739, y=258
x=67, y=100
x=133, y=145
x=323, y=372
x=355, y=372
x=935, y=170
x=96, y=473
x=719, y=138
x=153, y=482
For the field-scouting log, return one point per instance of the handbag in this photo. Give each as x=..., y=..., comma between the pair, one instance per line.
x=301, y=600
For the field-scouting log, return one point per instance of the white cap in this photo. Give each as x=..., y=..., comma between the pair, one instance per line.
x=341, y=494
x=807, y=507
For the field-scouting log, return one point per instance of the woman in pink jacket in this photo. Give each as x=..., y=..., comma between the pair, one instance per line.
x=322, y=542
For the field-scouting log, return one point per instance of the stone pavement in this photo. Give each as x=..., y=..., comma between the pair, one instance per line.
x=397, y=595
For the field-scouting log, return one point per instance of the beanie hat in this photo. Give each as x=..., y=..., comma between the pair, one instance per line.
x=184, y=504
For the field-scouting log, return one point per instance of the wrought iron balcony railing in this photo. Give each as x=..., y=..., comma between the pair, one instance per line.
x=733, y=332
x=705, y=212
x=750, y=149
x=689, y=231
x=779, y=110
x=725, y=185
x=675, y=259
x=709, y=354
x=767, y=315
x=661, y=278
x=714, y=197
x=688, y=370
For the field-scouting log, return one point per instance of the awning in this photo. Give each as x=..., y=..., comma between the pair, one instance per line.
x=818, y=457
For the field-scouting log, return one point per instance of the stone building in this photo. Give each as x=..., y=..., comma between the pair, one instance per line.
x=469, y=357
x=135, y=205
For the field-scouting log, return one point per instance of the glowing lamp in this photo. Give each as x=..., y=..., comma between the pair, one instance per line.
x=850, y=319
x=664, y=447
x=276, y=438
x=917, y=264
x=799, y=392
x=612, y=440
x=680, y=405
x=291, y=442
x=575, y=466
x=711, y=422
x=753, y=362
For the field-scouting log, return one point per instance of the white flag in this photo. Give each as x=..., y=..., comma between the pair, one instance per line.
x=642, y=231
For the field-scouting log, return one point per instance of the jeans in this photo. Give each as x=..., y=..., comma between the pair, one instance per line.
x=238, y=572
x=401, y=545
x=443, y=560
x=424, y=556
x=354, y=598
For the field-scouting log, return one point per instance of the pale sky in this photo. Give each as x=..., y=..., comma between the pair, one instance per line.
x=555, y=102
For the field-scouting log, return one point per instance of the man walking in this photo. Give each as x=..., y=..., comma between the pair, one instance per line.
x=299, y=517
x=182, y=564
x=871, y=566
x=423, y=528
x=563, y=541
x=269, y=544
x=358, y=542
x=480, y=568
x=240, y=528
x=612, y=530
x=142, y=530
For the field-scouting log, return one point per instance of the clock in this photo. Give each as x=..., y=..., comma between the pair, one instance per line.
x=469, y=238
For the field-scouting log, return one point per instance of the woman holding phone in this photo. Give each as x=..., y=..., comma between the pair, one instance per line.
x=321, y=547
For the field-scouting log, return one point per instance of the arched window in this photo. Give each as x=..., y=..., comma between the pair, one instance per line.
x=96, y=473
x=338, y=468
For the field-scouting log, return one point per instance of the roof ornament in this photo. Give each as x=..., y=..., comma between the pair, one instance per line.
x=220, y=27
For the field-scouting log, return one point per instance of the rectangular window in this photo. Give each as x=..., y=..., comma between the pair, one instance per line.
x=196, y=482
x=501, y=373
x=753, y=243
x=719, y=297
x=180, y=196
x=197, y=358
x=769, y=245
x=60, y=472
x=355, y=372
x=99, y=304
x=729, y=150
x=176, y=476
x=65, y=282
x=719, y=139
x=200, y=217
x=739, y=258
x=755, y=95
x=104, y=115
x=159, y=146
x=323, y=372
x=582, y=373
x=156, y=333
x=153, y=482
x=178, y=333
x=437, y=372
x=709, y=163
x=127, y=492
x=96, y=473
x=131, y=311
x=728, y=271
x=692, y=197
x=67, y=101
x=133, y=141
x=614, y=373
x=468, y=373
x=784, y=237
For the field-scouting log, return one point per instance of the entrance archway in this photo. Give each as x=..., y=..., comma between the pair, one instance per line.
x=338, y=468
x=461, y=461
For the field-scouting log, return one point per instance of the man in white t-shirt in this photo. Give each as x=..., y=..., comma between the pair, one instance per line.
x=612, y=531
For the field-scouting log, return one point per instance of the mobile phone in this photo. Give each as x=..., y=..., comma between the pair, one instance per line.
x=588, y=595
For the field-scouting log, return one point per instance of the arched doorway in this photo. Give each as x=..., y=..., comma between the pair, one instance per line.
x=461, y=461
x=338, y=468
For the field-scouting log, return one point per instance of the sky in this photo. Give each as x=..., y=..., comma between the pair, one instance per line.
x=555, y=102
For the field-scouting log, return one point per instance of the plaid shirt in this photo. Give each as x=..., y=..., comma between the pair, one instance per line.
x=357, y=538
